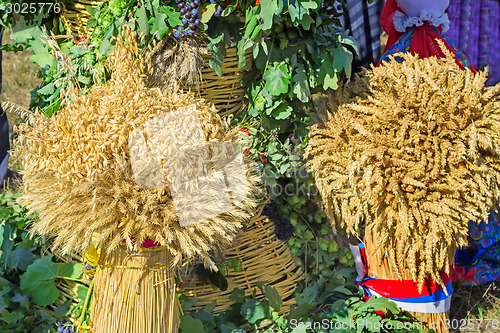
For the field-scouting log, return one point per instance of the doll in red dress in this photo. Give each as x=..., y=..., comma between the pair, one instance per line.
x=415, y=26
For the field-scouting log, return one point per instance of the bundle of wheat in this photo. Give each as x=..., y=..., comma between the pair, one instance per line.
x=128, y=164
x=410, y=152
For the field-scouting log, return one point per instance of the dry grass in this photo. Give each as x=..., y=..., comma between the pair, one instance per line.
x=476, y=303
x=19, y=77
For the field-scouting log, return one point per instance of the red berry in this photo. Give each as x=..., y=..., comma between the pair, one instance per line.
x=256, y=2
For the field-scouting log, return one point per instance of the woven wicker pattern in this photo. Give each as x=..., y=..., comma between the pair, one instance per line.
x=74, y=15
x=264, y=258
x=226, y=91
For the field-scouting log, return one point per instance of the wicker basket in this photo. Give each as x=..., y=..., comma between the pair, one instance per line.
x=264, y=258
x=74, y=16
x=226, y=92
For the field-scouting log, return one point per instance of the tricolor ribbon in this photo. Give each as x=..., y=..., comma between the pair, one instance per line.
x=404, y=293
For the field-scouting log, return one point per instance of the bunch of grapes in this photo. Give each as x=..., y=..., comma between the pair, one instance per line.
x=282, y=229
x=67, y=327
x=235, y=264
x=190, y=21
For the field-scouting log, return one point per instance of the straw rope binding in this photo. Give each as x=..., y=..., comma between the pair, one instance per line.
x=264, y=258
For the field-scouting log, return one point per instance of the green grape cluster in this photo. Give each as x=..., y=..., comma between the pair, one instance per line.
x=235, y=264
x=110, y=11
x=346, y=257
x=285, y=33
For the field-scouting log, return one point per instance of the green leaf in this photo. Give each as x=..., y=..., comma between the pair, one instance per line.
x=309, y=4
x=106, y=47
x=39, y=281
x=277, y=79
x=142, y=19
x=44, y=58
x=283, y=111
x=296, y=10
x=238, y=295
x=267, y=9
x=19, y=259
x=11, y=317
x=254, y=310
x=326, y=75
x=342, y=60
x=78, y=50
x=22, y=300
x=67, y=270
x=208, y=13
x=306, y=21
x=189, y=303
x=173, y=16
x=301, y=88
x=190, y=324
x=48, y=89
x=273, y=296
x=159, y=28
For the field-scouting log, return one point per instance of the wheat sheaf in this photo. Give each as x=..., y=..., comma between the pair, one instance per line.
x=79, y=180
x=409, y=153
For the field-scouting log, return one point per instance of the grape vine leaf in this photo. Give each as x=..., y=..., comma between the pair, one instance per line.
x=11, y=317
x=277, y=80
x=254, y=310
x=273, y=296
x=159, y=28
x=190, y=324
x=19, y=259
x=301, y=88
x=142, y=19
x=282, y=111
x=267, y=10
x=208, y=13
x=342, y=59
x=39, y=281
x=22, y=300
x=327, y=75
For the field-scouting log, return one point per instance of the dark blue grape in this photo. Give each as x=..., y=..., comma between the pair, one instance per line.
x=47, y=67
x=183, y=34
x=192, y=26
x=177, y=34
x=178, y=1
x=60, y=329
x=192, y=19
x=197, y=2
x=180, y=28
x=183, y=11
x=181, y=5
x=197, y=22
x=192, y=4
x=184, y=20
x=188, y=14
x=217, y=13
x=213, y=1
x=190, y=32
x=282, y=229
x=66, y=330
x=194, y=12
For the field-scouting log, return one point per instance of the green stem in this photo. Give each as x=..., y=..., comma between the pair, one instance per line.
x=86, y=304
x=72, y=279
